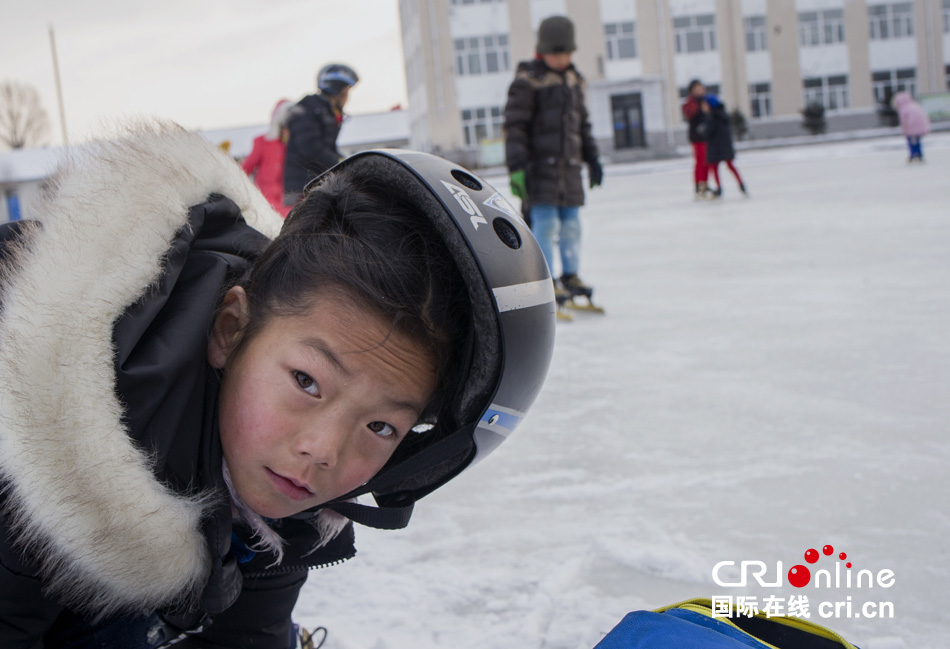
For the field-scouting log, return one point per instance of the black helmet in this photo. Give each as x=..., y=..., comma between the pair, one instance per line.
x=335, y=77
x=511, y=335
x=556, y=35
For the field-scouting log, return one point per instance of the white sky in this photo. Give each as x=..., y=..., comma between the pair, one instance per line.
x=204, y=63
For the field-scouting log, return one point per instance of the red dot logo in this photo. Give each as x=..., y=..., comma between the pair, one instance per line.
x=799, y=576
x=828, y=550
x=811, y=556
x=848, y=565
x=843, y=556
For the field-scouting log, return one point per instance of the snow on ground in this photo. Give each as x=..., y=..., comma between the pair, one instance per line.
x=772, y=375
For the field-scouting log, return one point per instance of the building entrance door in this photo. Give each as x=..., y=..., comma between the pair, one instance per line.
x=627, y=113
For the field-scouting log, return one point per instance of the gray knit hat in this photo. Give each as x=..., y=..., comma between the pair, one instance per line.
x=555, y=35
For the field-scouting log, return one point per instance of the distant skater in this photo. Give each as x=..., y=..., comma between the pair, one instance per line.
x=719, y=146
x=265, y=162
x=313, y=126
x=915, y=124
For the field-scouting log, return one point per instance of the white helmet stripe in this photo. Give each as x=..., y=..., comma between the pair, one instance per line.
x=522, y=296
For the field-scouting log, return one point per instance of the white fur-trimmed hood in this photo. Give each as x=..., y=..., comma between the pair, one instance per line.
x=110, y=537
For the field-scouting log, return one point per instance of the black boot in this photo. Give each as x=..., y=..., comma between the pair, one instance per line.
x=573, y=284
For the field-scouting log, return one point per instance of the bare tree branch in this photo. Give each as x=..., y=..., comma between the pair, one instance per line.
x=23, y=122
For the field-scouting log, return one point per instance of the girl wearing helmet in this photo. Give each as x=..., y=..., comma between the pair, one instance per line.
x=195, y=392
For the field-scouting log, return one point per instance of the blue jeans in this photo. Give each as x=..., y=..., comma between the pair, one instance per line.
x=546, y=221
x=913, y=143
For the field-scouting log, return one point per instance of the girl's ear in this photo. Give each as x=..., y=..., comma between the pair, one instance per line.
x=228, y=327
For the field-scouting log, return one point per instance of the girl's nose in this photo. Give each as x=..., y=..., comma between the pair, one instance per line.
x=323, y=440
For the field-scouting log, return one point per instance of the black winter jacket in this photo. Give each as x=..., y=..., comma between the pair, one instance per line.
x=311, y=147
x=548, y=132
x=718, y=135
x=114, y=505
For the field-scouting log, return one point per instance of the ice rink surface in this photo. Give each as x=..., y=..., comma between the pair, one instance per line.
x=772, y=375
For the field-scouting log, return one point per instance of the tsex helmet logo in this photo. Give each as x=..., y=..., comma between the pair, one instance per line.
x=467, y=203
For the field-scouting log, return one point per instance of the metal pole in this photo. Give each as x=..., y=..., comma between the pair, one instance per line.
x=59, y=88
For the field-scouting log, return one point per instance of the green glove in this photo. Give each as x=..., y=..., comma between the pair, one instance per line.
x=518, y=187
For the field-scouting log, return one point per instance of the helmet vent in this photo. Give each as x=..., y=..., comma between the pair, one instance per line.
x=466, y=179
x=507, y=233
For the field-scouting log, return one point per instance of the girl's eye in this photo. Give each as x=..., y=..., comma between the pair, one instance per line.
x=307, y=384
x=382, y=429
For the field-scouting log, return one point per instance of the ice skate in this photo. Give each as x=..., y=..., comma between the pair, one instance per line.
x=309, y=639
x=575, y=288
x=561, y=297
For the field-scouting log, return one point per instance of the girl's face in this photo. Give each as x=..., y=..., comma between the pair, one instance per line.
x=314, y=404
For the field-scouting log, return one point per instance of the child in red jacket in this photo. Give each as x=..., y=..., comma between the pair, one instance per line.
x=265, y=162
x=693, y=114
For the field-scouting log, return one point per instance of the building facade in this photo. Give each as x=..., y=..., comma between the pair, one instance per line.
x=766, y=58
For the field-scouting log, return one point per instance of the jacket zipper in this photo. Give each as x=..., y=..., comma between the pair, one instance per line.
x=561, y=168
x=283, y=570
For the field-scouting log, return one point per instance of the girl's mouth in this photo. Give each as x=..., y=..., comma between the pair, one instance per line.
x=289, y=487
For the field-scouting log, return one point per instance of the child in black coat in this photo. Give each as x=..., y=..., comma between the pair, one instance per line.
x=719, y=146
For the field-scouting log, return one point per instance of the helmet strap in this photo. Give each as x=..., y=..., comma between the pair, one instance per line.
x=395, y=508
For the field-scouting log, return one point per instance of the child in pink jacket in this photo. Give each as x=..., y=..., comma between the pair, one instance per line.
x=914, y=124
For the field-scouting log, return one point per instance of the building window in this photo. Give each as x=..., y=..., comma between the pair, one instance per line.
x=482, y=124
x=821, y=27
x=946, y=16
x=695, y=33
x=830, y=92
x=888, y=82
x=891, y=21
x=482, y=55
x=621, y=40
x=760, y=98
x=755, y=35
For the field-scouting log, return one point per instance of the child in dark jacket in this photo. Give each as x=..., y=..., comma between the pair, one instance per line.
x=195, y=391
x=313, y=126
x=719, y=147
x=547, y=141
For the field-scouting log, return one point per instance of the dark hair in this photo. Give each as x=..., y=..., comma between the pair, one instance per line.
x=376, y=249
x=693, y=84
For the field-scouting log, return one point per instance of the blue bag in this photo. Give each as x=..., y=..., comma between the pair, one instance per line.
x=691, y=625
